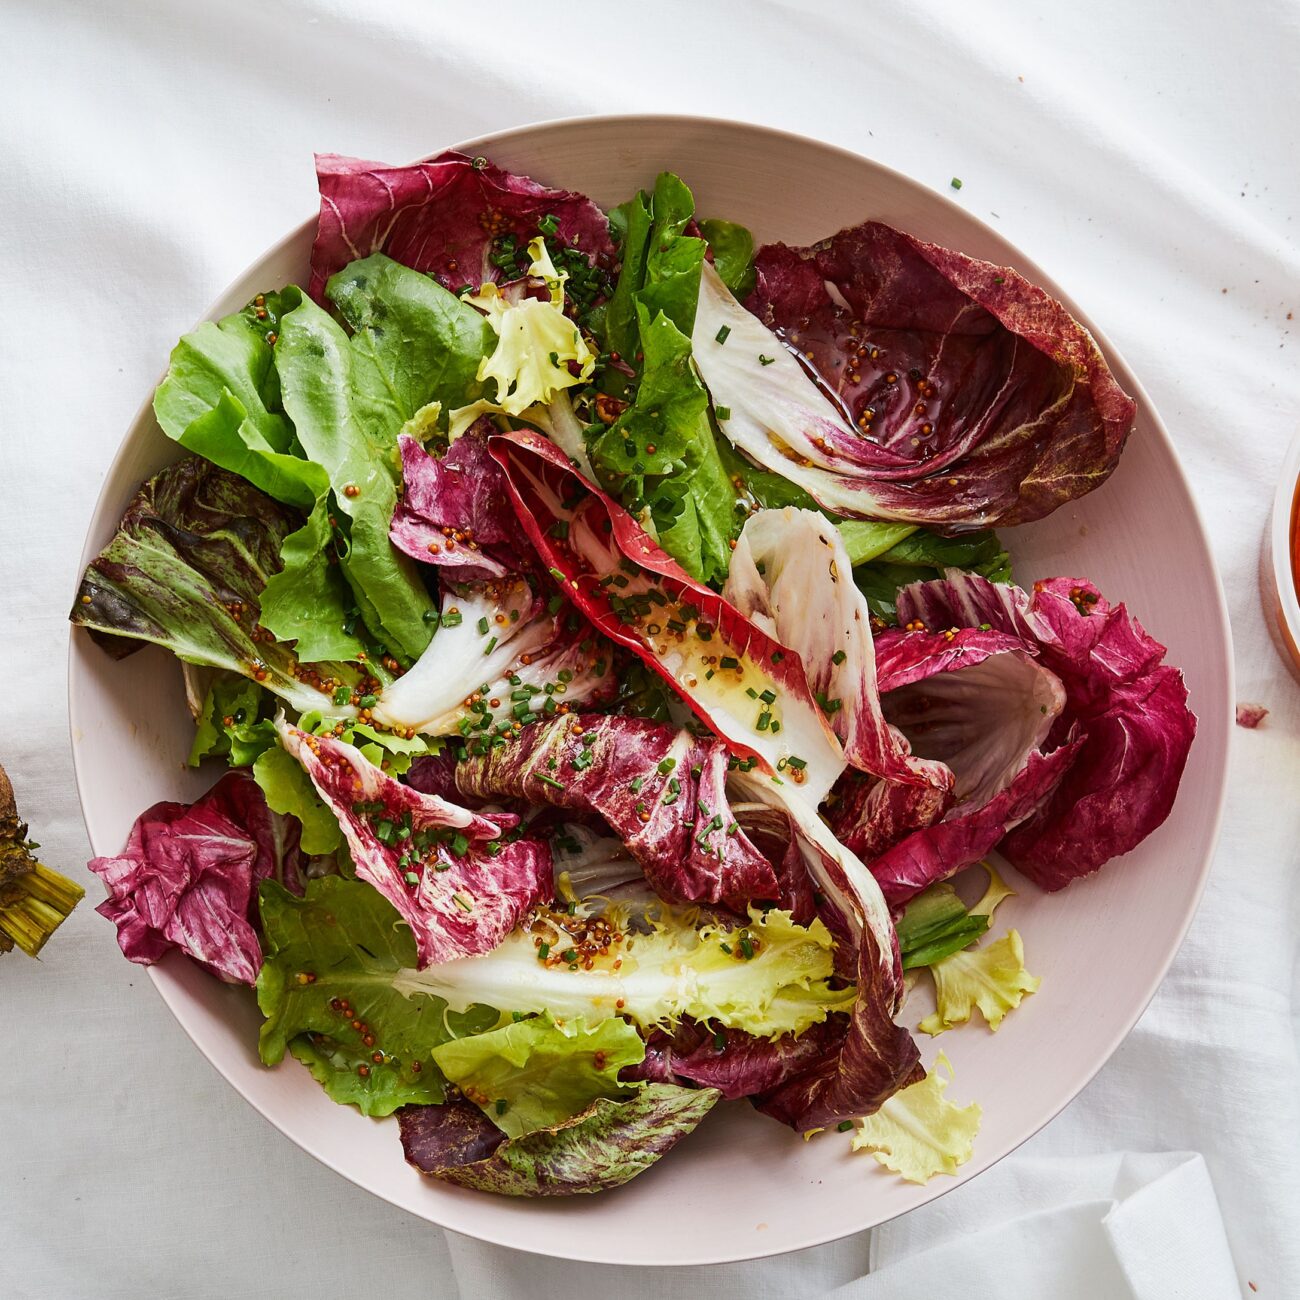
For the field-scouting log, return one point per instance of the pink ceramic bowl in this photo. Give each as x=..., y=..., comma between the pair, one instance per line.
x=742, y=1185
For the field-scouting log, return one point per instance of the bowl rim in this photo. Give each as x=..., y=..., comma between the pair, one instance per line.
x=485, y=143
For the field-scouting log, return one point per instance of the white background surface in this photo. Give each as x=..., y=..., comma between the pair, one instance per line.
x=1146, y=159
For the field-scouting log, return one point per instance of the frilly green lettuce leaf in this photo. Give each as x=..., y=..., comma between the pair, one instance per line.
x=329, y=961
x=918, y=1132
x=535, y=342
x=608, y=1144
x=768, y=977
x=992, y=978
x=538, y=1073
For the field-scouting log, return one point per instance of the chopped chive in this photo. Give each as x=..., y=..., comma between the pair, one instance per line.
x=452, y=618
x=551, y=781
x=764, y=720
x=342, y=695
x=796, y=762
x=720, y=1041
x=491, y=645
x=765, y=361
x=556, y=574
x=722, y=412
x=746, y=947
x=728, y=662
x=956, y=182
x=502, y=1105
x=838, y=657
x=721, y=335
x=667, y=766
x=768, y=697
x=844, y=1125
x=544, y=952
x=459, y=845
x=483, y=626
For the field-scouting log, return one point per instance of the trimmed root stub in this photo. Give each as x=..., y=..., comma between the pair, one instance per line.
x=34, y=901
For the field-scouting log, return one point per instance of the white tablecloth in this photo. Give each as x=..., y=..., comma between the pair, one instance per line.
x=1145, y=153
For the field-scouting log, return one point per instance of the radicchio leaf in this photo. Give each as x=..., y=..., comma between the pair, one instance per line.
x=736, y=1063
x=980, y=703
x=495, y=639
x=875, y=1057
x=660, y=789
x=948, y=390
x=745, y=685
x=791, y=576
x=447, y=870
x=1126, y=710
x=605, y=1146
x=188, y=876
x=187, y=570
x=458, y=495
x=441, y=217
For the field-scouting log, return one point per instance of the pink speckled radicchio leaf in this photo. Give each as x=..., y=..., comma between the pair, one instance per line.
x=470, y=886
x=440, y=217
x=660, y=789
x=189, y=873
x=980, y=703
x=791, y=576
x=959, y=394
x=1125, y=715
x=706, y=650
x=462, y=490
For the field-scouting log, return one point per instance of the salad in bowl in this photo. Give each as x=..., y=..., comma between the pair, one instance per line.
x=604, y=626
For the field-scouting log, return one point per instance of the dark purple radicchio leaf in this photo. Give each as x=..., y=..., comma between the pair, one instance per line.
x=460, y=494
x=952, y=392
x=606, y=1145
x=455, y=881
x=441, y=217
x=737, y=1064
x=980, y=703
x=189, y=874
x=1125, y=708
x=855, y=1072
x=660, y=789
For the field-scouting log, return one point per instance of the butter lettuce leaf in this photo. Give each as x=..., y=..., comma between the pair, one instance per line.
x=537, y=1073
x=320, y=379
x=918, y=1132
x=328, y=967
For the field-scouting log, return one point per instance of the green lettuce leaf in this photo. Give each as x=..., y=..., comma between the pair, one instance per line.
x=732, y=247
x=221, y=400
x=233, y=724
x=413, y=344
x=329, y=961
x=535, y=1073
x=662, y=455
x=610, y=1143
x=319, y=379
x=288, y=789
x=923, y=556
x=309, y=601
